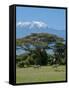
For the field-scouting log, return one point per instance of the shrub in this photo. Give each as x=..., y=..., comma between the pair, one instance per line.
x=21, y=64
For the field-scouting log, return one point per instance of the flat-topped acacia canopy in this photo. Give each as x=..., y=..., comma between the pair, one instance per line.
x=39, y=39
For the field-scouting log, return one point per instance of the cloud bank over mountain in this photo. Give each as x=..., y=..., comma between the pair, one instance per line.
x=31, y=24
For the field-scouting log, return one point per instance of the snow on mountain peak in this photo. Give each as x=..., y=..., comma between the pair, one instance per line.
x=31, y=24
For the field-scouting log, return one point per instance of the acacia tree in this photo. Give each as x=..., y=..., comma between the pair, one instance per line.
x=36, y=56
x=40, y=43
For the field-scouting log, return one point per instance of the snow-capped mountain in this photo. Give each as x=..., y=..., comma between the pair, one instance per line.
x=26, y=28
x=32, y=24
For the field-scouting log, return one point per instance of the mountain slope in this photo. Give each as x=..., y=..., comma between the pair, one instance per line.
x=22, y=32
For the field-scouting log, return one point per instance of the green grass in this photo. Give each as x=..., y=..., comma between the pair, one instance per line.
x=42, y=74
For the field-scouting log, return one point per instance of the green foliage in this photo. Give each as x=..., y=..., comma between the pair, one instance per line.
x=59, y=50
x=18, y=59
x=50, y=59
x=38, y=55
x=21, y=64
x=39, y=37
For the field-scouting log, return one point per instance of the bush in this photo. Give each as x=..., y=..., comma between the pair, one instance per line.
x=18, y=60
x=26, y=63
x=21, y=64
x=62, y=61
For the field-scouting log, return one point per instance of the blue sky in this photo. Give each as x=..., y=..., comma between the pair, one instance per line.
x=54, y=18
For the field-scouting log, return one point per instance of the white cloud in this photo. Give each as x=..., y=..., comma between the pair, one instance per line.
x=31, y=24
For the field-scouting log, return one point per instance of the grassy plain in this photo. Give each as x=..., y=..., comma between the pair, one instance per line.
x=42, y=74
